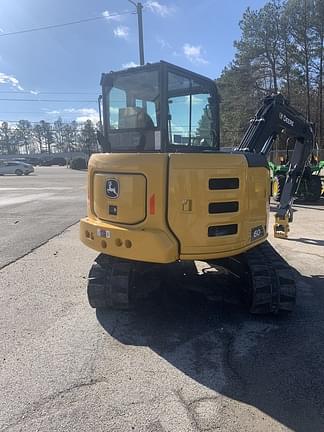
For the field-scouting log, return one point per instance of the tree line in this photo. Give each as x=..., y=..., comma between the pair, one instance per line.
x=280, y=50
x=44, y=137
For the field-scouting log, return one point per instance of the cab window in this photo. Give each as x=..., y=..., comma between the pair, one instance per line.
x=133, y=101
x=189, y=117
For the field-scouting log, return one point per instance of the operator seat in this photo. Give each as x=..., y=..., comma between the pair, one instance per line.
x=134, y=118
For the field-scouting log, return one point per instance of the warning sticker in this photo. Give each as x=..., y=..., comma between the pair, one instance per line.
x=103, y=233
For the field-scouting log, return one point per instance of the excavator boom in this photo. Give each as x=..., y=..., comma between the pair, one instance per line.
x=271, y=119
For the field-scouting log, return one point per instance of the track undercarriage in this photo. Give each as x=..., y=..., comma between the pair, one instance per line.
x=266, y=279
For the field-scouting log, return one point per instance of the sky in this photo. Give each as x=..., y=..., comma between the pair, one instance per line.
x=55, y=72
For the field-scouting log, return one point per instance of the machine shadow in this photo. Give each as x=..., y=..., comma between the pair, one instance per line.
x=301, y=204
x=309, y=204
x=274, y=208
x=272, y=363
x=314, y=242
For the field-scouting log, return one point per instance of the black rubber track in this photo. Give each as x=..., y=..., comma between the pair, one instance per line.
x=272, y=286
x=110, y=283
x=314, y=188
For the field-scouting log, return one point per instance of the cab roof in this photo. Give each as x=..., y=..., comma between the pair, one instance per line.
x=161, y=64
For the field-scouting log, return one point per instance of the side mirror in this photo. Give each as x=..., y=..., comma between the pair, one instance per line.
x=100, y=110
x=208, y=110
x=103, y=142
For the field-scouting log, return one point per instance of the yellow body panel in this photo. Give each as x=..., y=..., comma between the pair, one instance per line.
x=189, y=181
x=163, y=208
x=151, y=240
x=141, y=245
x=133, y=186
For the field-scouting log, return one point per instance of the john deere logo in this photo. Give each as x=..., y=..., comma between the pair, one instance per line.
x=286, y=119
x=112, y=188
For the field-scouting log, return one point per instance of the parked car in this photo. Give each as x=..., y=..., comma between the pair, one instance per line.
x=28, y=160
x=15, y=167
x=78, y=163
x=61, y=161
x=32, y=160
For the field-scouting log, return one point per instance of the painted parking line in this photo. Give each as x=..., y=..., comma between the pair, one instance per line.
x=9, y=201
x=36, y=188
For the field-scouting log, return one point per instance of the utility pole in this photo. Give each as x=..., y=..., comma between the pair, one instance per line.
x=139, y=8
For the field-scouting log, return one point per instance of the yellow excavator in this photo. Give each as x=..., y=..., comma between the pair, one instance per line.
x=164, y=191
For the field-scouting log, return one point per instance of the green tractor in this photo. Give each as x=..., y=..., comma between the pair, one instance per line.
x=311, y=186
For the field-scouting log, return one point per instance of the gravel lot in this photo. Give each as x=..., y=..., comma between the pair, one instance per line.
x=176, y=363
x=35, y=208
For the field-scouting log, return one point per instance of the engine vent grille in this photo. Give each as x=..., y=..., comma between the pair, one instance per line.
x=224, y=183
x=222, y=230
x=223, y=207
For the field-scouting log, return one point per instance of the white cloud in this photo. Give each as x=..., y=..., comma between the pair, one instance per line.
x=114, y=110
x=1, y=30
x=163, y=43
x=111, y=16
x=194, y=53
x=81, y=114
x=34, y=92
x=159, y=8
x=181, y=130
x=82, y=111
x=195, y=100
x=129, y=65
x=10, y=79
x=121, y=32
x=71, y=110
x=83, y=119
x=91, y=112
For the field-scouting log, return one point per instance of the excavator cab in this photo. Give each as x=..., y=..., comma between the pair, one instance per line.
x=163, y=191
x=158, y=108
x=174, y=188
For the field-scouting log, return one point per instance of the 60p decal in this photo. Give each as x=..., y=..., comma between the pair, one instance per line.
x=257, y=232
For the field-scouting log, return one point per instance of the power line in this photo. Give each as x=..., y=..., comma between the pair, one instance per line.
x=64, y=113
x=49, y=122
x=47, y=92
x=66, y=24
x=46, y=100
x=22, y=112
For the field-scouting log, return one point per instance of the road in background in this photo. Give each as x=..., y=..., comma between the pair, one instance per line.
x=177, y=363
x=35, y=208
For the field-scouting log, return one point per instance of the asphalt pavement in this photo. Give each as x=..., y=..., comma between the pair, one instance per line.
x=177, y=363
x=37, y=207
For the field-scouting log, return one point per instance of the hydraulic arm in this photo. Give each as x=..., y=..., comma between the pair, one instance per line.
x=274, y=117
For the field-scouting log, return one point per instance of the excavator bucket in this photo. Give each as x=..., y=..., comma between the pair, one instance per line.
x=281, y=227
